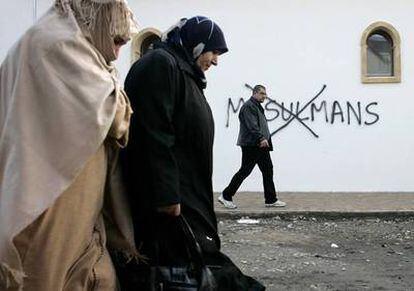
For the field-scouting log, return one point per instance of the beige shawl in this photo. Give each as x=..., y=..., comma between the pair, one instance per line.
x=58, y=99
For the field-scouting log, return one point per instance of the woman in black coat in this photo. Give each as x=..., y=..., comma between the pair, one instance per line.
x=167, y=166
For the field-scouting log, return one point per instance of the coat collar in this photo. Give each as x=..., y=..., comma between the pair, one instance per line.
x=257, y=103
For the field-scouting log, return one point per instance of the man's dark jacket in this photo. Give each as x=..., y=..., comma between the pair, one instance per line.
x=253, y=124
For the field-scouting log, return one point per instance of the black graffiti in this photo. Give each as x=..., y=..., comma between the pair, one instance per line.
x=298, y=112
x=332, y=112
x=294, y=116
x=371, y=113
x=230, y=105
x=315, y=108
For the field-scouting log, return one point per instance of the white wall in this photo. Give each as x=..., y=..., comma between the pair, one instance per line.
x=15, y=17
x=294, y=47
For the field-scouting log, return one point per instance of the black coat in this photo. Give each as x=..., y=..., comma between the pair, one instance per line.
x=169, y=156
x=169, y=160
x=253, y=124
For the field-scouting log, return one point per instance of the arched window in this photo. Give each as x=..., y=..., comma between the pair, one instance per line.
x=380, y=54
x=143, y=41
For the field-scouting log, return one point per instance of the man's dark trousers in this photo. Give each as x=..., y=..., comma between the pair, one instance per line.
x=250, y=157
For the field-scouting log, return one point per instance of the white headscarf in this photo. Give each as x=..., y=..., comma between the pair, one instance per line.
x=101, y=21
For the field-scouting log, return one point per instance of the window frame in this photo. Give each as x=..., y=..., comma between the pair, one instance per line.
x=381, y=26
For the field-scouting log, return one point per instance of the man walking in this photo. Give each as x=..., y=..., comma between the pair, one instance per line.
x=255, y=142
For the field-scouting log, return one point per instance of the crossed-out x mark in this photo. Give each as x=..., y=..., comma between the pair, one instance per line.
x=294, y=116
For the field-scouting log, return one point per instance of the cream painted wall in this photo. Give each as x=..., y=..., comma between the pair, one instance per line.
x=294, y=47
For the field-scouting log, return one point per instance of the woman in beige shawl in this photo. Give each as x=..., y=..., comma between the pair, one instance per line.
x=61, y=112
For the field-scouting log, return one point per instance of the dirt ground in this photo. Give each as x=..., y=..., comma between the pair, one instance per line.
x=317, y=254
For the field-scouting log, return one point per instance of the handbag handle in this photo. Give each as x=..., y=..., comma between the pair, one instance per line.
x=204, y=276
x=192, y=243
x=193, y=248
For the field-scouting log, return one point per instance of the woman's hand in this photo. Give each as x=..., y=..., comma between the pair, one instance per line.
x=172, y=210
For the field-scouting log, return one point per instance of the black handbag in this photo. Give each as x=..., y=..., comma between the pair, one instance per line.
x=196, y=276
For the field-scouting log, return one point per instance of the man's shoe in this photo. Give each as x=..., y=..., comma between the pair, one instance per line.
x=226, y=203
x=278, y=203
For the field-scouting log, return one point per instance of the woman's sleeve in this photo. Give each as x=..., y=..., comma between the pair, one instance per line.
x=120, y=126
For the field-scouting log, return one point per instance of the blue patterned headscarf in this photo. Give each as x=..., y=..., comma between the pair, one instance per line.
x=197, y=35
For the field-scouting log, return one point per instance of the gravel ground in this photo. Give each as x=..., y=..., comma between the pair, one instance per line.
x=315, y=254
